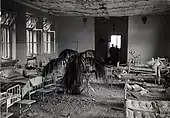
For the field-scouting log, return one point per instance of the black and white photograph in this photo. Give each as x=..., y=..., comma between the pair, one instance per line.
x=84, y=58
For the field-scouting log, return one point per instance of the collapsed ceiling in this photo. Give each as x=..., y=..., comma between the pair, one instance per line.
x=100, y=7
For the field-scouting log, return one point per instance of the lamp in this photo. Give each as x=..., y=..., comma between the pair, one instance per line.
x=84, y=21
x=144, y=19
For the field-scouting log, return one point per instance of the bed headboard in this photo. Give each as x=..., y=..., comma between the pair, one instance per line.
x=14, y=95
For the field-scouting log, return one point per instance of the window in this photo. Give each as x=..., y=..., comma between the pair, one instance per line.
x=5, y=43
x=32, y=36
x=31, y=43
x=39, y=40
x=47, y=42
x=115, y=41
x=6, y=21
x=48, y=37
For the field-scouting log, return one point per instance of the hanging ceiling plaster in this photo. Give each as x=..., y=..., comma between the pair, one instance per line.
x=100, y=7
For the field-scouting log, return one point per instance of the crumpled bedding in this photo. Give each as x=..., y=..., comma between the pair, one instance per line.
x=36, y=81
x=138, y=91
x=137, y=114
x=11, y=74
x=137, y=88
x=148, y=109
x=28, y=73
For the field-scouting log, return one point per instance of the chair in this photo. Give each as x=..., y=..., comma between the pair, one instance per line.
x=28, y=106
x=35, y=84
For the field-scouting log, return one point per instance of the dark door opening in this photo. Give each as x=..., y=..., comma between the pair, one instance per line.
x=117, y=36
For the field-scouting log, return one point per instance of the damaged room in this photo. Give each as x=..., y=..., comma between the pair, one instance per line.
x=85, y=59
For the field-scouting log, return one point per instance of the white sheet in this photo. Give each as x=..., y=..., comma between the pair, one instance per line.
x=36, y=81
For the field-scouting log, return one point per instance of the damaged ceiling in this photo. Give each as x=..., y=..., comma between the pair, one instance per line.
x=100, y=7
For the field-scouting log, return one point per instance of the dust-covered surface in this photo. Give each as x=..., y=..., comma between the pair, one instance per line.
x=105, y=101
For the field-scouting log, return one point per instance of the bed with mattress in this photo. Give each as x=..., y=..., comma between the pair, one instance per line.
x=146, y=101
x=13, y=76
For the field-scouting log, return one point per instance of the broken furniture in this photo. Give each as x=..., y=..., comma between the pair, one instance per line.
x=137, y=106
x=28, y=107
x=134, y=58
x=33, y=85
x=113, y=72
x=3, y=101
x=146, y=70
x=9, y=98
x=87, y=83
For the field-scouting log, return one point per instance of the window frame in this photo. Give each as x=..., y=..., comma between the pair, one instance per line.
x=48, y=40
x=32, y=37
x=6, y=42
x=48, y=44
x=7, y=19
x=32, y=42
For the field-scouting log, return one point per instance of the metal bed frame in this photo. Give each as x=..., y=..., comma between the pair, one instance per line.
x=3, y=101
x=146, y=72
x=131, y=107
x=9, y=98
x=13, y=95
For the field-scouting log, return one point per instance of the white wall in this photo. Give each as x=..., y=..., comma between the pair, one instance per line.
x=0, y=47
x=72, y=29
x=150, y=39
x=21, y=36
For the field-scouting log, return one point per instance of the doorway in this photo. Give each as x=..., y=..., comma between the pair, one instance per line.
x=118, y=35
x=115, y=41
x=114, y=47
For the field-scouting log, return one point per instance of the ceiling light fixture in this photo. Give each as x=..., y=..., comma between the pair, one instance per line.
x=144, y=19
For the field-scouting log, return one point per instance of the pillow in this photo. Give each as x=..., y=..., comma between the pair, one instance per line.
x=9, y=73
x=30, y=72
